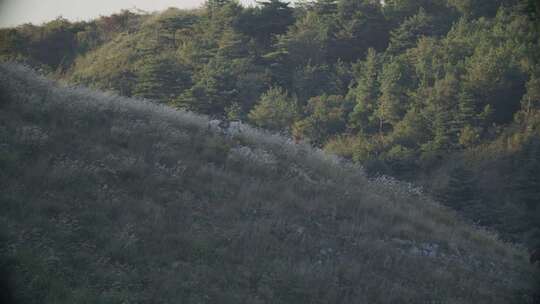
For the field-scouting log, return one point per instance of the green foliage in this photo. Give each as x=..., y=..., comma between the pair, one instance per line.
x=410, y=31
x=360, y=148
x=312, y=80
x=361, y=25
x=394, y=80
x=326, y=116
x=217, y=86
x=365, y=94
x=475, y=9
x=468, y=136
x=398, y=11
x=161, y=79
x=275, y=110
x=306, y=41
x=265, y=22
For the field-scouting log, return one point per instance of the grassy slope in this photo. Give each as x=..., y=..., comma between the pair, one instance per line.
x=106, y=199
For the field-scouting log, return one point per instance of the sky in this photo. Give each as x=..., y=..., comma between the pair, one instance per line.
x=16, y=12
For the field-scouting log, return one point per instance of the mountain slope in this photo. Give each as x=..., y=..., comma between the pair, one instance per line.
x=107, y=199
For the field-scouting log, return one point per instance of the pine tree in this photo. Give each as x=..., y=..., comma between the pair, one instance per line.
x=466, y=110
x=275, y=110
x=392, y=101
x=160, y=79
x=365, y=94
x=326, y=117
x=408, y=33
x=359, y=25
x=444, y=130
x=275, y=18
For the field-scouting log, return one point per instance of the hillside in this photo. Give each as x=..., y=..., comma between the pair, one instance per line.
x=106, y=199
x=441, y=93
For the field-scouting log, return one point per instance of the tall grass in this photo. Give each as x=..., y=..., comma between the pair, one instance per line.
x=105, y=199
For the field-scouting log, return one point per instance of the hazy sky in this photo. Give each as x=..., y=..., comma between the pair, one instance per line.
x=16, y=12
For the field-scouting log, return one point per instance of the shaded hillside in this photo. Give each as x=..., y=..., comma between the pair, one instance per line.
x=107, y=199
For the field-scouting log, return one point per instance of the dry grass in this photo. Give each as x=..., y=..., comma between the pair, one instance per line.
x=105, y=199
